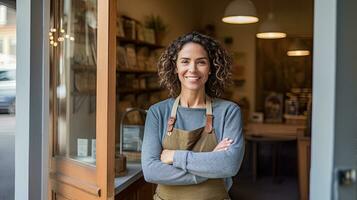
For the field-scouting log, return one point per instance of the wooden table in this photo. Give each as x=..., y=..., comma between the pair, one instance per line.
x=279, y=132
x=269, y=132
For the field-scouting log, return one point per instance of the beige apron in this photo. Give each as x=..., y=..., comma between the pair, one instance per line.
x=199, y=140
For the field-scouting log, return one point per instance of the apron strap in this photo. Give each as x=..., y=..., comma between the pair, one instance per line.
x=209, y=117
x=172, y=119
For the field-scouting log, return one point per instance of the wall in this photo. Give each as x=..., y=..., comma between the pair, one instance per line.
x=179, y=15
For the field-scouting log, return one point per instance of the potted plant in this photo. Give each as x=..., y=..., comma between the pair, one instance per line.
x=156, y=23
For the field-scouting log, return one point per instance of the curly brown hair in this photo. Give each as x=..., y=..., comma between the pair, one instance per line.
x=220, y=64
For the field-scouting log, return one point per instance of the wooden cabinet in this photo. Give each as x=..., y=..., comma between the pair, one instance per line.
x=139, y=190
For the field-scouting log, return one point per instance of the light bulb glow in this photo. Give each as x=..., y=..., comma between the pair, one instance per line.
x=298, y=53
x=240, y=19
x=271, y=35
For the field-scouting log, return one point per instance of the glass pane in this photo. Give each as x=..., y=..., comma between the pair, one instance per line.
x=7, y=100
x=73, y=46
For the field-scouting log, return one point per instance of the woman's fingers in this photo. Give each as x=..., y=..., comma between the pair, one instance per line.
x=223, y=145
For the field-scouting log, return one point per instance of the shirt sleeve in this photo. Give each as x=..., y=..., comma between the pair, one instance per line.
x=154, y=170
x=220, y=164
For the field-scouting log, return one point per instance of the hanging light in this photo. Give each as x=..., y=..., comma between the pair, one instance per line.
x=298, y=48
x=269, y=29
x=240, y=12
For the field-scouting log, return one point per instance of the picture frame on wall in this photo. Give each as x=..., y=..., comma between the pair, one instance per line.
x=273, y=107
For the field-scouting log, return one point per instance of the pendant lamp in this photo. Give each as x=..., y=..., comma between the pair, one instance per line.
x=269, y=29
x=298, y=48
x=240, y=12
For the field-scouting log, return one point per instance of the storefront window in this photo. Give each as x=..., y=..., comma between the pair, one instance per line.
x=73, y=45
x=7, y=100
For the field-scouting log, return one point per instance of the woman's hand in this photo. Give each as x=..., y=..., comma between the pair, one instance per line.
x=167, y=156
x=223, y=145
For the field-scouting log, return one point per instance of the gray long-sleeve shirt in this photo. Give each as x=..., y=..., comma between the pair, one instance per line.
x=192, y=167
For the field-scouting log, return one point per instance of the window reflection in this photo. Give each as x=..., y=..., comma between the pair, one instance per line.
x=72, y=40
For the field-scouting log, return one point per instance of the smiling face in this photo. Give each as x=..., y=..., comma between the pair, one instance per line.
x=193, y=67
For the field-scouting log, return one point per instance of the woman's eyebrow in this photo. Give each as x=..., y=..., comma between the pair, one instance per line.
x=202, y=58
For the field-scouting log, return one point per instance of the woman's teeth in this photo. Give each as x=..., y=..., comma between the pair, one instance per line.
x=192, y=77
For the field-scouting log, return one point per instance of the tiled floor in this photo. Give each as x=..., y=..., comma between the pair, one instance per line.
x=264, y=188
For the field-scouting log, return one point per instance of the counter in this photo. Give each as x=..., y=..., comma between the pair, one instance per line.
x=134, y=173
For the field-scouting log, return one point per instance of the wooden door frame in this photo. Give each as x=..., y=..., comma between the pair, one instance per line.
x=69, y=176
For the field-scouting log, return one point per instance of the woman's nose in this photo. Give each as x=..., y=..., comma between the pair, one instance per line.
x=192, y=67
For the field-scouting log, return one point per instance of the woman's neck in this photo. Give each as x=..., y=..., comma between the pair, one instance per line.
x=193, y=99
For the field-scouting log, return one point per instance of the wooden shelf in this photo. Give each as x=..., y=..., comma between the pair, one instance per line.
x=124, y=40
x=138, y=71
x=84, y=93
x=138, y=91
x=84, y=68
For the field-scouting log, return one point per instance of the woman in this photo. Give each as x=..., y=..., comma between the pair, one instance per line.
x=193, y=143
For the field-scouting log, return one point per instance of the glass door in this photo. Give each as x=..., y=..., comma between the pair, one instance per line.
x=82, y=84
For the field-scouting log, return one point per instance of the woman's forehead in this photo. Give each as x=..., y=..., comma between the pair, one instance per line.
x=192, y=49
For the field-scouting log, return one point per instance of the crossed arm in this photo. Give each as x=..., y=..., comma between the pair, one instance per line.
x=186, y=167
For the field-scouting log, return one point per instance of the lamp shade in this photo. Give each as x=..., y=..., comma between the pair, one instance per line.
x=269, y=29
x=298, y=48
x=240, y=12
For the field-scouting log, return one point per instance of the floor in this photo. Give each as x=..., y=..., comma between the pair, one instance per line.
x=265, y=188
x=7, y=157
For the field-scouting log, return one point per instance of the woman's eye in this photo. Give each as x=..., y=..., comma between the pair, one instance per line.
x=185, y=62
x=202, y=62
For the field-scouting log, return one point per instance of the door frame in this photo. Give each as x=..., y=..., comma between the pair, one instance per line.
x=323, y=104
x=324, y=74
x=32, y=137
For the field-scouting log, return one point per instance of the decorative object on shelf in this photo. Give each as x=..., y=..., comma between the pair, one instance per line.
x=82, y=147
x=140, y=32
x=122, y=62
x=142, y=55
x=274, y=108
x=129, y=28
x=131, y=55
x=120, y=27
x=149, y=35
x=156, y=23
x=240, y=12
x=291, y=104
x=120, y=165
x=257, y=117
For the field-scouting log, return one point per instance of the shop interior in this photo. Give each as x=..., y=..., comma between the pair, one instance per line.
x=271, y=82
